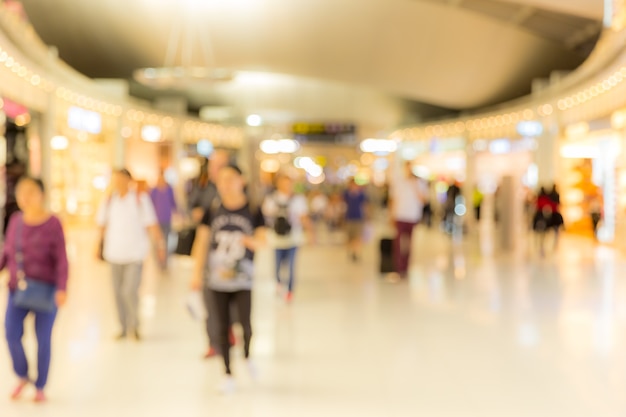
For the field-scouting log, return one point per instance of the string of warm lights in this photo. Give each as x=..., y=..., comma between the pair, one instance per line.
x=192, y=130
x=603, y=94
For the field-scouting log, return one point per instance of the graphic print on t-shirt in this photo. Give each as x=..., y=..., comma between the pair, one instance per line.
x=228, y=253
x=230, y=263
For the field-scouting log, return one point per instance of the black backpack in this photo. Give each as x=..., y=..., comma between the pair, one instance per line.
x=282, y=226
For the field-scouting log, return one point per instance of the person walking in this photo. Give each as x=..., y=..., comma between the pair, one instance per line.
x=355, y=201
x=408, y=195
x=226, y=241
x=164, y=202
x=205, y=200
x=127, y=221
x=289, y=217
x=34, y=248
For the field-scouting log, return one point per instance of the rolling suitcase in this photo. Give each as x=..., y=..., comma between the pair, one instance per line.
x=386, y=256
x=185, y=241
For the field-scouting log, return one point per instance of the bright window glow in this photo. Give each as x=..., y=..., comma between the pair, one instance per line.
x=189, y=168
x=500, y=146
x=288, y=145
x=100, y=182
x=315, y=171
x=84, y=120
x=254, y=120
x=272, y=146
x=151, y=133
x=580, y=151
x=269, y=147
x=530, y=128
x=379, y=146
x=59, y=143
x=204, y=147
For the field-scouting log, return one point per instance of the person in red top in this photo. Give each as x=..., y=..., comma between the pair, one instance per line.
x=547, y=216
x=38, y=236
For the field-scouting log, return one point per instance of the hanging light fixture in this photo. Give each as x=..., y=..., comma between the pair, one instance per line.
x=181, y=68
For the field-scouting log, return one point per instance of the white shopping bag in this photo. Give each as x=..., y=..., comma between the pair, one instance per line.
x=195, y=305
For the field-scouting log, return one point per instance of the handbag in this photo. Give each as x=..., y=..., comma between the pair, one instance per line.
x=31, y=294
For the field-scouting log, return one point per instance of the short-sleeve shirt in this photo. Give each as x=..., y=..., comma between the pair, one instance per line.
x=408, y=203
x=126, y=220
x=355, y=203
x=230, y=265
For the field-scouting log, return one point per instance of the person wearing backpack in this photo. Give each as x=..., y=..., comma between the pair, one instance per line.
x=127, y=221
x=287, y=214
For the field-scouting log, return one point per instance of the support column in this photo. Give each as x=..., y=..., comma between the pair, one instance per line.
x=176, y=106
x=471, y=181
x=547, y=153
x=47, y=130
x=508, y=212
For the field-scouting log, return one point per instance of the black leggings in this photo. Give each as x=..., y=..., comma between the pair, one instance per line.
x=243, y=303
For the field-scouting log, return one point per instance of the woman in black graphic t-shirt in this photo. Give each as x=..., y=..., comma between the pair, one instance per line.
x=224, y=253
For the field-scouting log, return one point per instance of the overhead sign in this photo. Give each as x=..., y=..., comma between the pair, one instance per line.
x=343, y=133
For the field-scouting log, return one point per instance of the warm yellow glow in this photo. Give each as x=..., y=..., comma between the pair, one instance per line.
x=270, y=165
x=577, y=130
x=59, y=143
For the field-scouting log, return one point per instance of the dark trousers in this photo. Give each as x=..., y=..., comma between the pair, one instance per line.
x=242, y=300
x=286, y=256
x=212, y=322
x=14, y=329
x=402, y=246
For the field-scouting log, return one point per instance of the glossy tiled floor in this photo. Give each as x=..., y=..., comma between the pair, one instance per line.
x=469, y=335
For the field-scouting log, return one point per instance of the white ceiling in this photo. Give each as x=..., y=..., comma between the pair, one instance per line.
x=449, y=53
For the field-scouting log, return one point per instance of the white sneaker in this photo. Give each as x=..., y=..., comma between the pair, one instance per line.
x=228, y=386
x=253, y=369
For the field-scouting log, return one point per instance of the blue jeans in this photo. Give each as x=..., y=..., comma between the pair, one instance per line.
x=166, y=229
x=14, y=328
x=287, y=256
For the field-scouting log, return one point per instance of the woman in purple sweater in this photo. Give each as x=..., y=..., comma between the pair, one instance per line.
x=42, y=244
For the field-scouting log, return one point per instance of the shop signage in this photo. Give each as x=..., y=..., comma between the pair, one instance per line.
x=84, y=120
x=342, y=133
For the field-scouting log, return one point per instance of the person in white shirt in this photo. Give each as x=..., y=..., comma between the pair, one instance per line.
x=287, y=213
x=127, y=220
x=408, y=196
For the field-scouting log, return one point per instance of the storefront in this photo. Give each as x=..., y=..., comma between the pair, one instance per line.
x=81, y=157
x=20, y=151
x=591, y=177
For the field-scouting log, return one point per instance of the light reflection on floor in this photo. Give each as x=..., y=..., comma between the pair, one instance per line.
x=469, y=335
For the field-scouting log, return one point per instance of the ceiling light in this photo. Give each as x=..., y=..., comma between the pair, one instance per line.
x=59, y=143
x=254, y=120
x=151, y=133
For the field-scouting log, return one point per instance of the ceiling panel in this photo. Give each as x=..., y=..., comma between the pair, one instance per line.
x=422, y=50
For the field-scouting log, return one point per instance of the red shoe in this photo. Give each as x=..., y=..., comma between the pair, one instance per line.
x=211, y=353
x=289, y=297
x=40, y=397
x=231, y=337
x=17, y=392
